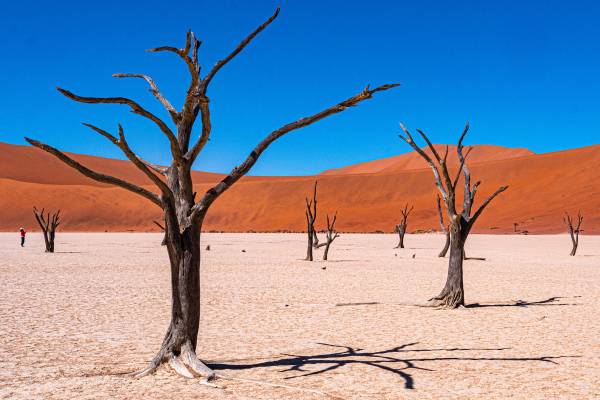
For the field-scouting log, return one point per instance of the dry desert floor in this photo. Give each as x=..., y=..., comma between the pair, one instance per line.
x=71, y=323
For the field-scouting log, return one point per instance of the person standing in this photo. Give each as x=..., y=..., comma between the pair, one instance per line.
x=23, y=233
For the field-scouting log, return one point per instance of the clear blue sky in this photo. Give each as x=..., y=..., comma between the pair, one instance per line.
x=525, y=73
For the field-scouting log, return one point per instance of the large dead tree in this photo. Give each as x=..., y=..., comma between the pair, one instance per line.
x=48, y=222
x=311, y=217
x=183, y=215
x=574, y=231
x=330, y=235
x=401, y=227
x=453, y=295
x=444, y=229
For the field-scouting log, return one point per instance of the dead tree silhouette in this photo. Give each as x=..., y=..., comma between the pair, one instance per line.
x=311, y=217
x=574, y=231
x=453, y=295
x=401, y=227
x=184, y=215
x=390, y=360
x=330, y=235
x=48, y=223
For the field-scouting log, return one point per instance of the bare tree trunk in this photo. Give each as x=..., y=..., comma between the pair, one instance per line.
x=574, y=231
x=401, y=227
x=401, y=231
x=309, y=249
x=453, y=293
x=311, y=217
x=48, y=223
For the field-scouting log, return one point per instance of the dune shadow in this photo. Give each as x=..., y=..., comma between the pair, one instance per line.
x=552, y=301
x=389, y=360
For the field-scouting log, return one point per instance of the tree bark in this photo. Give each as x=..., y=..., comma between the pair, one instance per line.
x=401, y=229
x=453, y=293
x=48, y=223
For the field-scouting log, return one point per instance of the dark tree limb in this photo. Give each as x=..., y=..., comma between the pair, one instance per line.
x=331, y=235
x=96, y=175
x=143, y=166
x=220, y=64
x=155, y=92
x=48, y=223
x=135, y=108
x=311, y=217
x=574, y=230
x=212, y=194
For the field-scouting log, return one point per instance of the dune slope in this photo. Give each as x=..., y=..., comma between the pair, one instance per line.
x=542, y=188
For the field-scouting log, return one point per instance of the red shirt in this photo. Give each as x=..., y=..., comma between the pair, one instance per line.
x=23, y=233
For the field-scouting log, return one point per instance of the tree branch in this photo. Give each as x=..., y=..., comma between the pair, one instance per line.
x=438, y=181
x=484, y=205
x=238, y=49
x=208, y=198
x=135, y=108
x=96, y=175
x=121, y=143
x=155, y=91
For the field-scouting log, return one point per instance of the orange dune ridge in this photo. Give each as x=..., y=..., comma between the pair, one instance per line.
x=367, y=196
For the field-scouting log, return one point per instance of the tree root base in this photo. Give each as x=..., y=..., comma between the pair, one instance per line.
x=450, y=300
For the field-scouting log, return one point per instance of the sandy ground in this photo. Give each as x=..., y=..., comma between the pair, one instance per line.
x=70, y=322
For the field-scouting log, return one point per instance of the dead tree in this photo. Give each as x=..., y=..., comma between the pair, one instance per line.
x=330, y=235
x=401, y=227
x=574, y=232
x=444, y=229
x=162, y=228
x=48, y=223
x=183, y=215
x=311, y=217
x=452, y=295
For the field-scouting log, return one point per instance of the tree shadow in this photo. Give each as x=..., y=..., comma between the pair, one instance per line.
x=388, y=360
x=552, y=301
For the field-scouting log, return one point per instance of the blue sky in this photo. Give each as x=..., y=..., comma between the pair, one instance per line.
x=524, y=73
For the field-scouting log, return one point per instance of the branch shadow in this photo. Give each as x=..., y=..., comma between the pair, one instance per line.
x=388, y=360
x=552, y=301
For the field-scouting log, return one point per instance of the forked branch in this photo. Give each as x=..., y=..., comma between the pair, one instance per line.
x=136, y=109
x=142, y=165
x=96, y=175
x=155, y=92
x=211, y=195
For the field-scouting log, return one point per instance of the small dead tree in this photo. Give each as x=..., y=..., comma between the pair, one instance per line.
x=453, y=295
x=574, y=231
x=174, y=192
x=330, y=235
x=48, y=223
x=311, y=217
x=444, y=229
x=162, y=228
x=401, y=227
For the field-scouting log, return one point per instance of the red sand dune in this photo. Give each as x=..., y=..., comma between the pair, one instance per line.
x=368, y=196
